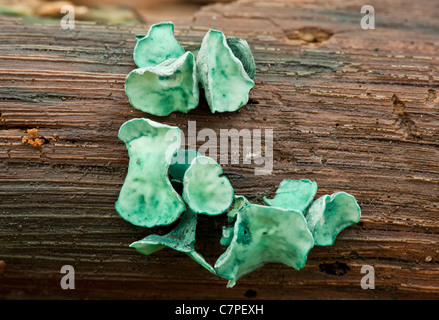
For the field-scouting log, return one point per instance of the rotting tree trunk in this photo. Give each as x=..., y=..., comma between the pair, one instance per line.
x=356, y=111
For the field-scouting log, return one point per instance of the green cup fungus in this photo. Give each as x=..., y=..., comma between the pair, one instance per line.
x=282, y=232
x=241, y=50
x=157, y=46
x=204, y=190
x=147, y=197
x=225, y=81
x=182, y=239
x=168, y=78
x=293, y=194
x=262, y=235
x=329, y=215
x=164, y=88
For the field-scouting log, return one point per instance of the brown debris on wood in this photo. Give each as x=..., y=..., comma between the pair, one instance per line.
x=328, y=103
x=33, y=139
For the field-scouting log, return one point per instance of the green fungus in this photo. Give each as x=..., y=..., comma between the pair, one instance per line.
x=263, y=235
x=204, y=190
x=157, y=46
x=293, y=194
x=330, y=214
x=147, y=197
x=239, y=203
x=227, y=234
x=222, y=75
x=167, y=87
x=182, y=239
x=181, y=162
x=242, y=51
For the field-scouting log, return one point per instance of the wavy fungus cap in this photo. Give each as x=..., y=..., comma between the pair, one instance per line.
x=147, y=197
x=330, y=214
x=293, y=194
x=157, y=46
x=165, y=88
x=182, y=239
x=204, y=190
x=225, y=81
x=262, y=235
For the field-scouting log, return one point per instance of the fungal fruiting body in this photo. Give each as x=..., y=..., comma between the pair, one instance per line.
x=294, y=194
x=330, y=214
x=241, y=50
x=261, y=235
x=182, y=239
x=164, y=88
x=168, y=78
x=163, y=182
x=204, y=190
x=147, y=197
x=157, y=46
x=225, y=81
x=284, y=231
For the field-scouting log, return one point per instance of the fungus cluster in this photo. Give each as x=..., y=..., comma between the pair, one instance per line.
x=167, y=78
x=283, y=231
x=164, y=183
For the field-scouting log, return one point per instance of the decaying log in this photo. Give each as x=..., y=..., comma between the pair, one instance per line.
x=354, y=110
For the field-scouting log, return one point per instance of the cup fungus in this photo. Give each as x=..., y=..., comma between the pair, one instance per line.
x=261, y=235
x=204, y=190
x=225, y=81
x=181, y=162
x=182, y=239
x=168, y=80
x=147, y=197
x=227, y=234
x=164, y=88
x=330, y=214
x=242, y=51
x=283, y=232
x=157, y=46
x=293, y=194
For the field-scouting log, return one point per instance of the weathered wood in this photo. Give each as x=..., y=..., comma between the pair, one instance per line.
x=358, y=112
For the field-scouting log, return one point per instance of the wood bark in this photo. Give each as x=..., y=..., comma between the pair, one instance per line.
x=357, y=111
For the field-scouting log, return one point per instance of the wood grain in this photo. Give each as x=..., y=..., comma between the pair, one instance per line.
x=357, y=112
